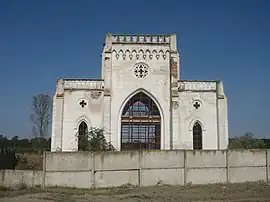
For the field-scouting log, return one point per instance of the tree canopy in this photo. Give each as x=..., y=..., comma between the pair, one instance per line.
x=25, y=144
x=247, y=141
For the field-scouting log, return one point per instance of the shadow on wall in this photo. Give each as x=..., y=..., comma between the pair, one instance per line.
x=8, y=159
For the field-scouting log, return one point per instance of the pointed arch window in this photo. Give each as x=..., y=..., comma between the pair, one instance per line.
x=82, y=136
x=197, y=136
x=140, y=124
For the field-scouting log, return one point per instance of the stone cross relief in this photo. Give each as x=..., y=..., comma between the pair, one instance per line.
x=83, y=103
x=196, y=105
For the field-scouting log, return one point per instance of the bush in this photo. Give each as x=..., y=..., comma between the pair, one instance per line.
x=94, y=140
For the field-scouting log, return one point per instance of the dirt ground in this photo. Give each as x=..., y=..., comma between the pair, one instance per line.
x=210, y=193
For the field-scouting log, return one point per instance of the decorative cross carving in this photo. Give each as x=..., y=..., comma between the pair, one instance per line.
x=83, y=103
x=141, y=71
x=196, y=105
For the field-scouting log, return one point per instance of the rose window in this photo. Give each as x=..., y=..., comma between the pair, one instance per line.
x=141, y=70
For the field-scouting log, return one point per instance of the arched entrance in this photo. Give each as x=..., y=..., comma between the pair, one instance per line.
x=140, y=124
x=197, y=136
x=83, y=137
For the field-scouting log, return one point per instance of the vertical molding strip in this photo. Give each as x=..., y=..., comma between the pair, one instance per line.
x=140, y=168
x=44, y=170
x=185, y=167
x=227, y=167
x=267, y=166
x=218, y=129
x=93, y=172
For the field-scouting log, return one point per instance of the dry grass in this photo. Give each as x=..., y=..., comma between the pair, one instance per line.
x=248, y=192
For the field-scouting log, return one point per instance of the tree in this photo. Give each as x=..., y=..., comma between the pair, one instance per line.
x=95, y=140
x=247, y=142
x=41, y=114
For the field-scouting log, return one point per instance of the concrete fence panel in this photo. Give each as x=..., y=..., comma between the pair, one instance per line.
x=116, y=168
x=79, y=179
x=162, y=167
x=206, y=167
x=246, y=165
x=68, y=161
x=20, y=178
x=143, y=168
x=68, y=169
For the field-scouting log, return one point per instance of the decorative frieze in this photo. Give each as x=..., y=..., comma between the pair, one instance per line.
x=197, y=85
x=133, y=54
x=83, y=84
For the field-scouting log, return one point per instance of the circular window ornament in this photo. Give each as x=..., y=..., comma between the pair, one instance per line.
x=141, y=70
x=83, y=103
x=196, y=104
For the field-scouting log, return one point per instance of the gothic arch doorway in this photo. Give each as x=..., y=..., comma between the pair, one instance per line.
x=197, y=136
x=82, y=136
x=140, y=124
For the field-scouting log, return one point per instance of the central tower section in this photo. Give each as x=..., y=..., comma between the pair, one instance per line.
x=140, y=75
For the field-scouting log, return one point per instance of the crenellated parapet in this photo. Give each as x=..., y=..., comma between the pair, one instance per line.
x=82, y=84
x=194, y=85
x=140, y=38
x=141, y=54
x=140, y=46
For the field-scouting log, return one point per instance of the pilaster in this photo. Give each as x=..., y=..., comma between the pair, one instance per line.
x=107, y=73
x=222, y=117
x=57, y=117
x=174, y=115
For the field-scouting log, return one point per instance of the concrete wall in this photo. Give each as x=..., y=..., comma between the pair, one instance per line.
x=176, y=167
x=20, y=178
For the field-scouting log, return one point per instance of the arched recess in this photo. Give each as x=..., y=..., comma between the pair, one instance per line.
x=82, y=136
x=197, y=133
x=196, y=119
x=141, y=121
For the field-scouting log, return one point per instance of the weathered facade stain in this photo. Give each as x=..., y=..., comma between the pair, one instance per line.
x=174, y=72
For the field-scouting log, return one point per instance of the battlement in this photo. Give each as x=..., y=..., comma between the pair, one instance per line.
x=167, y=39
x=141, y=38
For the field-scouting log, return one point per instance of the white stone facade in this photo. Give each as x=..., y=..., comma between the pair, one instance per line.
x=148, y=64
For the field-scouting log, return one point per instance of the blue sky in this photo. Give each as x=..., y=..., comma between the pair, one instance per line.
x=217, y=39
